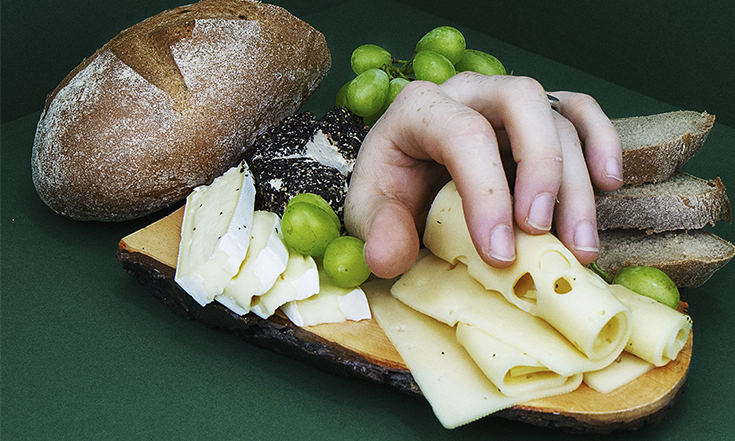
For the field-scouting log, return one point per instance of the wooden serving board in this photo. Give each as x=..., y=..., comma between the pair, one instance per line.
x=362, y=349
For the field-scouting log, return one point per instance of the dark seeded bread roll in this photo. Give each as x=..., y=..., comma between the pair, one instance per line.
x=681, y=202
x=655, y=146
x=170, y=104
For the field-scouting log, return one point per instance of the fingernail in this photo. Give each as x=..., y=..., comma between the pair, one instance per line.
x=502, y=244
x=541, y=212
x=613, y=170
x=585, y=238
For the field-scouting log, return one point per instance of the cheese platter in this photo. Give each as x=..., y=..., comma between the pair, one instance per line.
x=362, y=349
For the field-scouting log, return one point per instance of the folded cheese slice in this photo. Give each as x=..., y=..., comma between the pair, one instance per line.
x=514, y=372
x=659, y=332
x=299, y=281
x=545, y=280
x=266, y=259
x=447, y=293
x=457, y=390
x=331, y=305
x=215, y=234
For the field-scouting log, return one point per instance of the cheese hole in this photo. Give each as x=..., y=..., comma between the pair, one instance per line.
x=553, y=262
x=562, y=285
x=525, y=289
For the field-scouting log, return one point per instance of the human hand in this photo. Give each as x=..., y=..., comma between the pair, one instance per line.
x=466, y=130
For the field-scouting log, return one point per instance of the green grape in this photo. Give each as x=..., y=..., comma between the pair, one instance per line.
x=320, y=202
x=431, y=66
x=395, y=87
x=341, y=99
x=369, y=56
x=650, y=282
x=367, y=92
x=444, y=40
x=480, y=62
x=344, y=262
x=308, y=226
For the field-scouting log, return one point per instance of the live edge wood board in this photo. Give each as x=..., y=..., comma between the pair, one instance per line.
x=362, y=349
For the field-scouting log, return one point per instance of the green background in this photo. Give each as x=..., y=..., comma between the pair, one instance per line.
x=87, y=353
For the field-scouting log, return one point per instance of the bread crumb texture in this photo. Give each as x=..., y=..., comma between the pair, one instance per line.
x=170, y=104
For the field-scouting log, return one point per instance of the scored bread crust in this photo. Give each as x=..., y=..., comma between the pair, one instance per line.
x=170, y=104
x=682, y=201
x=654, y=146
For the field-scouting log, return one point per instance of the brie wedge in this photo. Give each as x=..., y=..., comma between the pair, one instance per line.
x=300, y=281
x=215, y=234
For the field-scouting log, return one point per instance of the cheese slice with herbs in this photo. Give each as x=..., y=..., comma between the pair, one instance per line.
x=457, y=390
x=266, y=260
x=447, y=293
x=626, y=368
x=299, y=281
x=545, y=280
x=331, y=305
x=215, y=234
x=659, y=332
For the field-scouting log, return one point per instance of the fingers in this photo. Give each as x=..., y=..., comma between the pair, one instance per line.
x=575, y=212
x=520, y=107
x=601, y=141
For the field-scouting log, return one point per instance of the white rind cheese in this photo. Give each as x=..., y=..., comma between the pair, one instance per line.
x=332, y=305
x=300, y=281
x=215, y=234
x=545, y=280
x=457, y=390
x=266, y=259
x=321, y=149
x=659, y=332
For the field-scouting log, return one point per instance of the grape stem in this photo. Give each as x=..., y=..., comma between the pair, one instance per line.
x=596, y=268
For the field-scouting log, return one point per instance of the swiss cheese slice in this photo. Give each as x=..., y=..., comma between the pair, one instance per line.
x=299, y=281
x=449, y=379
x=626, y=368
x=331, y=305
x=215, y=234
x=266, y=259
x=659, y=332
x=545, y=280
x=447, y=293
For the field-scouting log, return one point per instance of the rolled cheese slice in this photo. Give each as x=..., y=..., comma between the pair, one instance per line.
x=659, y=332
x=299, y=281
x=448, y=294
x=457, y=390
x=331, y=305
x=266, y=260
x=545, y=280
x=514, y=372
x=215, y=234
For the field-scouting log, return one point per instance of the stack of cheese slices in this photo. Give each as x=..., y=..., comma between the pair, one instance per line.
x=657, y=217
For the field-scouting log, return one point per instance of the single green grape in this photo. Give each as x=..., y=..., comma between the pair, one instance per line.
x=344, y=262
x=367, y=92
x=369, y=56
x=320, y=202
x=432, y=66
x=308, y=226
x=650, y=282
x=480, y=62
x=395, y=87
x=444, y=40
x=341, y=99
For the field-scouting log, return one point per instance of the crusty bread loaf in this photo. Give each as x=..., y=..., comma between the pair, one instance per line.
x=171, y=103
x=655, y=146
x=682, y=201
x=688, y=257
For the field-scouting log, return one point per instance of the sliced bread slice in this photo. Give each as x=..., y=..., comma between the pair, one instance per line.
x=656, y=145
x=681, y=202
x=688, y=257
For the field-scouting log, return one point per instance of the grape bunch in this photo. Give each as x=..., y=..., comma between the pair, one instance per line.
x=439, y=55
